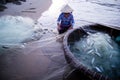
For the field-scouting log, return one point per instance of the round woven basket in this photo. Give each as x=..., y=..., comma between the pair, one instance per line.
x=73, y=36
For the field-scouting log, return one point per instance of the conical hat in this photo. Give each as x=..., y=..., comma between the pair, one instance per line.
x=66, y=9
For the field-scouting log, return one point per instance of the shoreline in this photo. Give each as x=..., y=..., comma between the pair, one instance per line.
x=30, y=8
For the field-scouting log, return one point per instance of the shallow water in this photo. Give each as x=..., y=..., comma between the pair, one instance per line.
x=100, y=53
x=85, y=12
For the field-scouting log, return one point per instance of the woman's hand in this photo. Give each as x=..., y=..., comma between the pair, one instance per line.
x=70, y=27
x=59, y=28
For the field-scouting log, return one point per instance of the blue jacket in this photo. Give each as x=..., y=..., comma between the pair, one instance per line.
x=66, y=21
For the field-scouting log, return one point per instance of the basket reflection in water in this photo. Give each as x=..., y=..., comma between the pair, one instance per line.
x=94, y=50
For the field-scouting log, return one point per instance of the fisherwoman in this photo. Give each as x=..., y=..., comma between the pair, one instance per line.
x=65, y=20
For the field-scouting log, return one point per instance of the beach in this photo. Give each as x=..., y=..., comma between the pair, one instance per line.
x=30, y=8
x=41, y=55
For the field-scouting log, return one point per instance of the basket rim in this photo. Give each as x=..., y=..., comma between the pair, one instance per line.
x=75, y=63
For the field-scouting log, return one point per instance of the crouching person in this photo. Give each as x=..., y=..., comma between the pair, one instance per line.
x=65, y=20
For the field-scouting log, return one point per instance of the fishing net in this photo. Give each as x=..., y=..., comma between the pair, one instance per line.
x=26, y=48
x=98, y=52
x=30, y=51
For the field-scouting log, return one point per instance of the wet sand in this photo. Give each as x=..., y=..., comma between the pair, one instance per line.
x=33, y=62
x=30, y=8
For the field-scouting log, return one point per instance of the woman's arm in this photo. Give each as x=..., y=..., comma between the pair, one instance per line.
x=72, y=20
x=59, y=21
